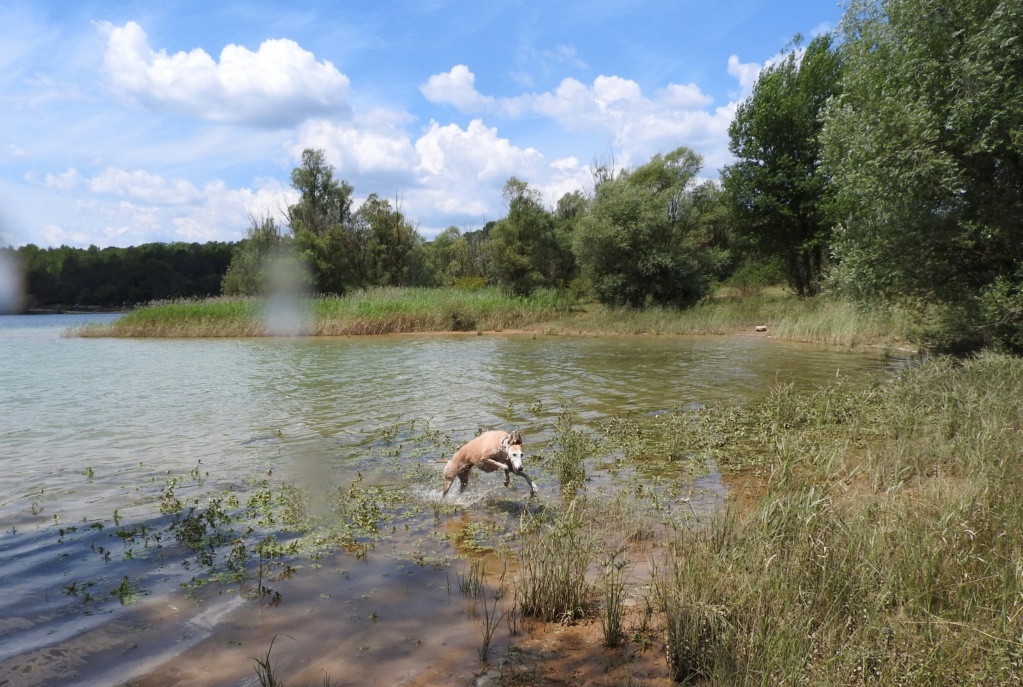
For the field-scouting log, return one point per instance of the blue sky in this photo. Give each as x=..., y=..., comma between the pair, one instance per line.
x=123, y=123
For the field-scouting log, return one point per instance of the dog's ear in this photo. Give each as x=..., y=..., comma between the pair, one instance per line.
x=515, y=437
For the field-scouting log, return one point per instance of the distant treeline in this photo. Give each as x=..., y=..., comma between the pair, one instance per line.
x=68, y=277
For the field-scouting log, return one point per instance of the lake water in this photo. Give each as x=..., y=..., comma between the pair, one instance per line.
x=96, y=433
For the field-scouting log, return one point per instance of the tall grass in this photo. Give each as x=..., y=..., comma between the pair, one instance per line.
x=818, y=320
x=374, y=311
x=888, y=547
x=557, y=549
x=402, y=310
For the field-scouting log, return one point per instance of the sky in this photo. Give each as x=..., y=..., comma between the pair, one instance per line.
x=123, y=123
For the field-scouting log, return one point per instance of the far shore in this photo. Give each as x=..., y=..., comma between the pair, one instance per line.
x=780, y=315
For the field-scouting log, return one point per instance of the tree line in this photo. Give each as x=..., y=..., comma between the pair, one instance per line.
x=68, y=277
x=883, y=162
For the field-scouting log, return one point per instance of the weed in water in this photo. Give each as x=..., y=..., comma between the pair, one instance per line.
x=556, y=552
x=614, y=570
x=266, y=671
x=490, y=622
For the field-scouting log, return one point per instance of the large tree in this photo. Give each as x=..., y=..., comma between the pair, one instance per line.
x=394, y=244
x=926, y=153
x=523, y=246
x=777, y=192
x=256, y=259
x=322, y=227
x=646, y=238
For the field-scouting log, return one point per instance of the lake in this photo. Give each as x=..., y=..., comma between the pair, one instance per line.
x=111, y=448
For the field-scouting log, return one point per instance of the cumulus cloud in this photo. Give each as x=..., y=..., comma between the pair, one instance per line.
x=278, y=85
x=143, y=186
x=475, y=151
x=745, y=72
x=612, y=107
x=117, y=207
x=462, y=171
x=374, y=142
x=458, y=88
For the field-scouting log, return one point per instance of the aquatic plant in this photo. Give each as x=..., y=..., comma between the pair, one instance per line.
x=556, y=551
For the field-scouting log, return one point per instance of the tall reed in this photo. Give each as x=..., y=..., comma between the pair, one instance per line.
x=886, y=550
x=372, y=311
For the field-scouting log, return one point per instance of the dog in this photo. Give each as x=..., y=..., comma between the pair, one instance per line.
x=490, y=451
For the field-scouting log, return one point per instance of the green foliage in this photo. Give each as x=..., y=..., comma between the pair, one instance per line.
x=321, y=222
x=263, y=263
x=65, y=277
x=556, y=551
x=925, y=151
x=374, y=246
x=645, y=238
x=524, y=247
x=567, y=460
x=394, y=246
x=776, y=190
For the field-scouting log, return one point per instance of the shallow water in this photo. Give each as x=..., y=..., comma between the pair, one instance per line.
x=92, y=431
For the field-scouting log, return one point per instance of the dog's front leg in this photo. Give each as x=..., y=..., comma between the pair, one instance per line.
x=495, y=465
x=533, y=491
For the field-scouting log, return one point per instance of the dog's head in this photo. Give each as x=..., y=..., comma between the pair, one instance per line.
x=512, y=446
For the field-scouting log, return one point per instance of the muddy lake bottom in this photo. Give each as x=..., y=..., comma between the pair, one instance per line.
x=392, y=614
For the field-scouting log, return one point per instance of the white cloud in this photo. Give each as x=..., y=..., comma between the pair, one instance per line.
x=746, y=73
x=612, y=107
x=280, y=84
x=143, y=186
x=122, y=208
x=474, y=152
x=458, y=88
x=373, y=142
x=65, y=181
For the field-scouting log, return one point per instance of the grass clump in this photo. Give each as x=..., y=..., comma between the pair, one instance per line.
x=557, y=548
x=886, y=549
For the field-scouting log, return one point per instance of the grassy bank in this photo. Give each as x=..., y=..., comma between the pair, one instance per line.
x=886, y=547
x=376, y=311
x=392, y=311
x=877, y=538
x=786, y=317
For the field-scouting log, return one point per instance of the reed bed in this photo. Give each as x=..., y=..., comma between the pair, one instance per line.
x=407, y=310
x=374, y=311
x=887, y=547
x=817, y=320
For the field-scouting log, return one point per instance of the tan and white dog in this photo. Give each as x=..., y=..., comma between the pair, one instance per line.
x=490, y=451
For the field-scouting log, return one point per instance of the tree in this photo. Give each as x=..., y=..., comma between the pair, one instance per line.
x=646, y=239
x=395, y=246
x=321, y=223
x=525, y=252
x=776, y=190
x=251, y=272
x=568, y=211
x=926, y=154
